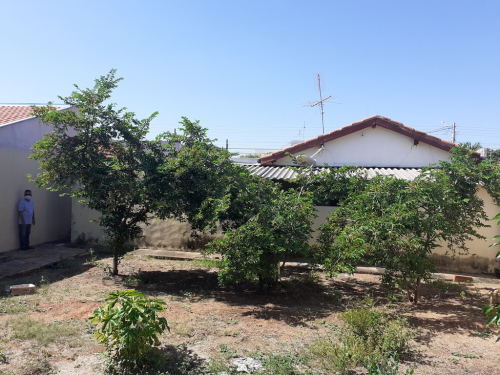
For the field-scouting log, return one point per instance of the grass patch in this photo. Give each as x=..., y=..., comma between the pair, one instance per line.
x=369, y=338
x=207, y=263
x=12, y=305
x=25, y=328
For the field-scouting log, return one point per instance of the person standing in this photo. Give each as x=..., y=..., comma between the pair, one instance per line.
x=26, y=214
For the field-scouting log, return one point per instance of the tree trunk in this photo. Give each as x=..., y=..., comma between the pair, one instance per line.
x=417, y=289
x=115, y=261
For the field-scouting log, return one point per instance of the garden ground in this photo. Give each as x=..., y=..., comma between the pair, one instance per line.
x=48, y=331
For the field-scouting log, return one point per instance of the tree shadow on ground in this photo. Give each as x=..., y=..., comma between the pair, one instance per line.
x=60, y=270
x=299, y=297
x=448, y=312
x=179, y=360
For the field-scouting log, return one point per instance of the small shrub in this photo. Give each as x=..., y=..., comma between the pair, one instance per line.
x=129, y=327
x=369, y=338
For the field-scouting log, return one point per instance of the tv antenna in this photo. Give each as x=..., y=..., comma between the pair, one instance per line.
x=320, y=103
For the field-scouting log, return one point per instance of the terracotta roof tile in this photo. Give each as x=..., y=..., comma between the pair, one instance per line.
x=373, y=121
x=13, y=113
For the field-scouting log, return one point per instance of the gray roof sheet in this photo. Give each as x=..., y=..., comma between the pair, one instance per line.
x=280, y=173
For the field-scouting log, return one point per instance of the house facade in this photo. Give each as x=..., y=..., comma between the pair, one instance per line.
x=19, y=131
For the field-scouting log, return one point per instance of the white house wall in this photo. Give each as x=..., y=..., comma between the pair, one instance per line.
x=374, y=147
x=53, y=213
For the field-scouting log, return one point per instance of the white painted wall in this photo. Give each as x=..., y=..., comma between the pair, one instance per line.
x=160, y=234
x=374, y=147
x=52, y=212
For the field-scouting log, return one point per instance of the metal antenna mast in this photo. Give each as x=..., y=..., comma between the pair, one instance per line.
x=320, y=102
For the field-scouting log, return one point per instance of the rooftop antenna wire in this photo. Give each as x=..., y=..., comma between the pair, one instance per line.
x=320, y=102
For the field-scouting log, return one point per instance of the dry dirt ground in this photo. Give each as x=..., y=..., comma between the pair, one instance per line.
x=213, y=323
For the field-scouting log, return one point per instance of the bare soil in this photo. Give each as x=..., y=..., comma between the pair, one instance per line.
x=208, y=321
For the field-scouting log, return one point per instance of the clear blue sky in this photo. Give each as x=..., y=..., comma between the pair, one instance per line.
x=244, y=68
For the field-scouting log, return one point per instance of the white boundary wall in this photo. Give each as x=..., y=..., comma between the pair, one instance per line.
x=52, y=212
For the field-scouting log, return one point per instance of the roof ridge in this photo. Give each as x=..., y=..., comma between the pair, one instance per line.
x=373, y=121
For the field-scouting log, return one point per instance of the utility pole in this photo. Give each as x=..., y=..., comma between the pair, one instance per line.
x=227, y=144
x=453, y=133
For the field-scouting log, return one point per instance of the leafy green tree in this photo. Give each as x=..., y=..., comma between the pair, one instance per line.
x=397, y=223
x=101, y=155
x=280, y=229
x=471, y=146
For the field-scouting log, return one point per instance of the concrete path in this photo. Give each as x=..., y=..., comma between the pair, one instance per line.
x=22, y=262
x=170, y=254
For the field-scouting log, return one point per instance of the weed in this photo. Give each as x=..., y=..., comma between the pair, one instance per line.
x=107, y=271
x=137, y=278
x=277, y=364
x=187, y=294
x=463, y=295
x=25, y=328
x=312, y=278
x=445, y=285
x=388, y=366
x=230, y=321
x=63, y=263
x=231, y=333
x=370, y=338
x=182, y=329
x=43, y=286
x=38, y=367
x=227, y=351
x=93, y=258
x=218, y=364
x=484, y=335
x=81, y=239
x=3, y=357
x=467, y=355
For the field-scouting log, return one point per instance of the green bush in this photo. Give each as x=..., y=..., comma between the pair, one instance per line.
x=370, y=337
x=129, y=327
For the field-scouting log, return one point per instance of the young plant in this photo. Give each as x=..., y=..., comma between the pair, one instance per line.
x=129, y=326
